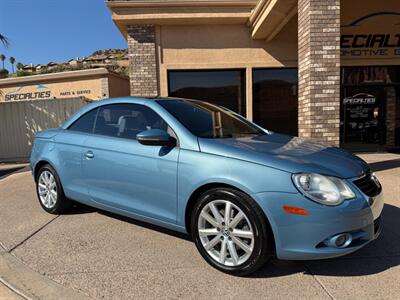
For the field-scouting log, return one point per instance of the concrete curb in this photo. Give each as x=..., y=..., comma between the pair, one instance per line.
x=29, y=284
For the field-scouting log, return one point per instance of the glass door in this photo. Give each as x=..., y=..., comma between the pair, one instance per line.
x=363, y=123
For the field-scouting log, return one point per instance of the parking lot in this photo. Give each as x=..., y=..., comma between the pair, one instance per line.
x=97, y=254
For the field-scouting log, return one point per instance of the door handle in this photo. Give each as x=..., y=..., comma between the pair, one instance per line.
x=89, y=154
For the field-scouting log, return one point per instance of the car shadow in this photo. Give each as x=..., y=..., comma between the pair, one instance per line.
x=12, y=170
x=385, y=165
x=376, y=257
x=79, y=208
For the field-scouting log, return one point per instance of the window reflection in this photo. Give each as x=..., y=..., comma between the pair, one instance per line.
x=275, y=99
x=222, y=87
x=209, y=121
x=371, y=75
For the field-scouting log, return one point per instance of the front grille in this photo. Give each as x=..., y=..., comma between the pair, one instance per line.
x=368, y=185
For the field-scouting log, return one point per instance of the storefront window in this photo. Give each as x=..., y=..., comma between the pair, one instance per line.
x=275, y=99
x=363, y=116
x=222, y=87
x=371, y=75
x=369, y=118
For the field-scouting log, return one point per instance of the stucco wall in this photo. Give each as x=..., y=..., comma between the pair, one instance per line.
x=117, y=86
x=226, y=44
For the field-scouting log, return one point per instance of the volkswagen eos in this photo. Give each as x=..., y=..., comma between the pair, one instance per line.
x=242, y=192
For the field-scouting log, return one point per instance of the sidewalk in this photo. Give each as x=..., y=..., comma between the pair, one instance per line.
x=7, y=294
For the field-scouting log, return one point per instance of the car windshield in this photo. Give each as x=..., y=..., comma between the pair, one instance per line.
x=208, y=120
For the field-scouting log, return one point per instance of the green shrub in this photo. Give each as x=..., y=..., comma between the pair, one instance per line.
x=23, y=73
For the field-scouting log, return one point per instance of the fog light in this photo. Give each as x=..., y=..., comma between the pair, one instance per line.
x=339, y=241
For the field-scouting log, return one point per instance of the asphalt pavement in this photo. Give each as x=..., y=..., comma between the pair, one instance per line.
x=91, y=253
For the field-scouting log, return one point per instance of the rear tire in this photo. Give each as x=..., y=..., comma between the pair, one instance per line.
x=50, y=192
x=238, y=242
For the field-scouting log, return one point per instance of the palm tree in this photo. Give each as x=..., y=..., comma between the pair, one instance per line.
x=20, y=66
x=12, y=62
x=4, y=40
x=2, y=58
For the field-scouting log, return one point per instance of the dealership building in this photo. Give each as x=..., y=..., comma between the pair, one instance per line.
x=328, y=70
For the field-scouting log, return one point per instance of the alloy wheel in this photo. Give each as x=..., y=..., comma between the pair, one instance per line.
x=226, y=233
x=47, y=189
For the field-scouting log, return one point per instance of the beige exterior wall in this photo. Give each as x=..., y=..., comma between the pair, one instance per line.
x=92, y=84
x=118, y=86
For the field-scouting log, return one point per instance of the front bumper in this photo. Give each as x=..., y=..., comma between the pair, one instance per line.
x=299, y=237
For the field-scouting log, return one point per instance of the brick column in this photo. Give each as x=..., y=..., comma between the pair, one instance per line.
x=319, y=69
x=105, y=90
x=143, y=60
x=390, y=116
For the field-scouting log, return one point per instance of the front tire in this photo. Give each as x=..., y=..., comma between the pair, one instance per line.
x=231, y=231
x=49, y=191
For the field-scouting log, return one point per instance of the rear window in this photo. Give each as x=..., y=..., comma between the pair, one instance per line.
x=85, y=123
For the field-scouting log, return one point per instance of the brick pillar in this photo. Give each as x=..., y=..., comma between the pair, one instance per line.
x=105, y=91
x=143, y=60
x=390, y=116
x=319, y=69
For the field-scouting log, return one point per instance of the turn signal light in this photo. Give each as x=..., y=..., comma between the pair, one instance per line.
x=295, y=210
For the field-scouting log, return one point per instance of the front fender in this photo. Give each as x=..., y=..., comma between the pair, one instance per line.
x=196, y=169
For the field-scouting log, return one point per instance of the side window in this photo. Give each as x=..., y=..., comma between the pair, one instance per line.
x=85, y=123
x=127, y=120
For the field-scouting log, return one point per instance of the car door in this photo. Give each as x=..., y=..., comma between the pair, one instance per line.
x=70, y=143
x=124, y=174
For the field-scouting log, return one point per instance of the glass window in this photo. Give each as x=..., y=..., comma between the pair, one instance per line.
x=127, y=120
x=275, y=99
x=209, y=121
x=222, y=87
x=370, y=75
x=85, y=123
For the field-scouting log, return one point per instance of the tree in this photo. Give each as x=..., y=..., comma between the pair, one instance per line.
x=20, y=66
x=3, y=58
x=3, y=73
x=4, y=40
x=12, y=62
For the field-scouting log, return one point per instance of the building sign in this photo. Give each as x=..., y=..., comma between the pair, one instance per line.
x=361, y=98
x=373, y=35
x=361, y=118
x=41, y=93
x=48, y=91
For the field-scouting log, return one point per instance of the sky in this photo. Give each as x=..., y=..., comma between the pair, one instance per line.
x=41, y=31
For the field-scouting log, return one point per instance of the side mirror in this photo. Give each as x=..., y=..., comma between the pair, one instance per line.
x=155, y=137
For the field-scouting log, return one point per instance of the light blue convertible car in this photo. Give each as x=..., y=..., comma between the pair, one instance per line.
x=242, y=192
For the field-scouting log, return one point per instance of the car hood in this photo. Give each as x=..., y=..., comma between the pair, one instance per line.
x=291, y=154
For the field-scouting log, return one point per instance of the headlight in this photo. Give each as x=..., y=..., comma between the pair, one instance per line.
x=323, y=189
